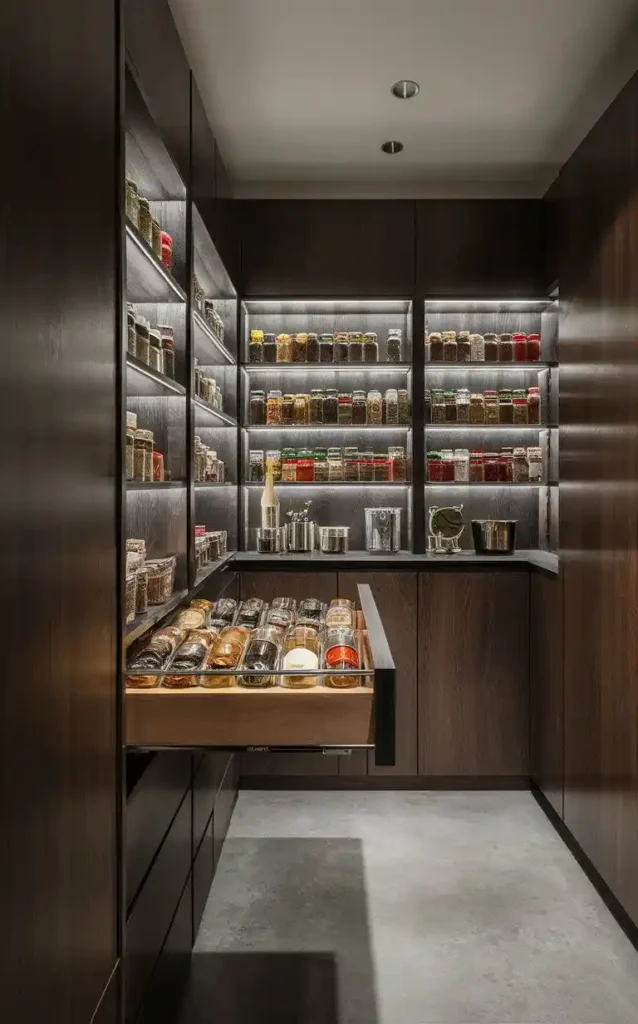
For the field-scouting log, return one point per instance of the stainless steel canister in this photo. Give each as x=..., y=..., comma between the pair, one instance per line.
x=334, y=540
x=271, y=540
x=383, y=529
x=494, y=536
x=300, y=536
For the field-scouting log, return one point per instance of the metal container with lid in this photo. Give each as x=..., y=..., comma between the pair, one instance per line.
x=271, y=540
x=494, y=536
x=334, y=540
x=383, y=529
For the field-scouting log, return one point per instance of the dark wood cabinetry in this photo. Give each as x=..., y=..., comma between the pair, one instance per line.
x=546, y=687
x=473, y=674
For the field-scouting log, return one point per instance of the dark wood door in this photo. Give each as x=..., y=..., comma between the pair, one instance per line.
x=546, y=687
x=473, y=673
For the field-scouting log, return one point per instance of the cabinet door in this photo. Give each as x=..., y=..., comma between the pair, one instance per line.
x=473, y=674
x=546, y=682
x=395, y=594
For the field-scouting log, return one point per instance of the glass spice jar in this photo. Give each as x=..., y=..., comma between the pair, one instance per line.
x=287, y=405
x=520, y=348
x=355, y=347
x=399, y=464
x=533, y=348
x=158, y=467
x=330, y=406
x=155, y=356
x=382, y=468
x=535, y=463
x=284, y=348
x=463, y=347
x=131, y=427
x=461, y=465
x=344, y=410
x=325, y=348
x=340, y=347
x=491, y=468
x=270, y=348
x=506, y=348
x=404, y=407
x=477, y=348
x=505, y=407
x=449, y=347
x=315, y=413
x=226, y=653
x=142, y=339
x=335, y=464
x=312, y=349
x=490, y=348
x=321, y=465
x=301, y=650
x=374, y=403
x=288, y=466
x=534, y=406
x=132, y=202
x=273, y=463
x=366, y=467
x=447, y=466
x=167, y=251
x=519, y=404
x=427, y=405
x=359, y=408
x=520, y=470
x=168, y=349
x=305, y=466
x=274, y=408
x=342, y=652
x=463, y=405
x=143, y=456
x=477, y=408
x=394, y=345
x=435, y=347
x=256, y=347
x=476, y=468
x=450, y=407
x=491, y=407
x=156, y=236
x=370, y=348
x=505, y=468
x=434, y=467
x=261, y=652
x=438, y=406
x=130, y=332
x=391, y=407
x=141, y=591
x=300, y=409
x=145, y=221
x=300, y=348
x=258, y=408
x=256, y=472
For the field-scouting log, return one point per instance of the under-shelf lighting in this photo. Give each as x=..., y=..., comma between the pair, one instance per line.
x=293, y=428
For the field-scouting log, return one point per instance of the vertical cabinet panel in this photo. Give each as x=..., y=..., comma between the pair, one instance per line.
x=164, y=994
x=546, y=687
x=473, y=674
x=395, y=594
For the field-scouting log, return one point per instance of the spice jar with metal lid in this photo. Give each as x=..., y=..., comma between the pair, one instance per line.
x=143, y=456
x=287, y=406
x=316, y=406
x=535, y=463
x=300, y=348
x=270, y=348
x=344, y=409
x=520, y=469
x=131, y=427
x=434, y=467
x=132, y=202
x=351, y=464
x=434, y=347
x=342, y=652
x=258, y=408
x=130, y=332
x=284, y=348
x=404, y=406
x=399, y=464
x=449, y=347
x=391, y=407
x=261, y=653
x=520, y=409
x=256, y=466
x=477, y=408
x=374, y=404
x=533, y=347
x=256, y=347
x=301, y=650
x=359, y=407
x=394, y=345
x=155, y=356
x=168, y=349
x=156, y=237
x=321, y=465
x=534, y=405
x=331, y=406
x=450, y=407
x=463, y=405
x=490, y=348
x=476, y=468
x=355, y=347
x=340, y=347
x=477, y=348
x=491, y=407
x=145, y=221
x=505, y=348
x=366, y=467
x=505, y=407
x=288, y=466
x=491, y=472
x=370, y=348
x=340, y=612
x=520, y=348
x=305, y=466
x=463, y=347
x=335, y=464
x=300, y=407
x=142, y=338
x=325, y=348
x=274, y=408
x=461, y=465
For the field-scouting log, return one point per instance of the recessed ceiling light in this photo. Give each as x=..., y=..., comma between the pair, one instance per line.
x=392, y=147
x=405, y=89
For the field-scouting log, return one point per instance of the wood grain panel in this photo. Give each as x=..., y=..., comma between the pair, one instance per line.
x=546, y=686
x=597, y=205
x=327, y=248
x=395, y=594
x=163, y=996
x=473, y=673
x=58, y=727
x=473, y=248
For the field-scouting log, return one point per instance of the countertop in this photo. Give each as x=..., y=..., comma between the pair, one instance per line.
x=545, y=561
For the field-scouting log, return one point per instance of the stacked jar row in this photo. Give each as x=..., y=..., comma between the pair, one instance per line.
x=209, y=469
x=138, y=211
x=209, y=545
x=330, y=407
x=143, y=463
x=510, y=465
x=340, y=347
x=206, y=307
x=151, y=345
x=450, y=347
x=518, y=407
x=207, y=389
x=329, y=465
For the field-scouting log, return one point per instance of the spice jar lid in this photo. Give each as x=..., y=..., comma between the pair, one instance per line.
x=131, y=420
x=144, y=435
x=155, y=334
x=519, y=336
x=533, y=337
x=167, y=239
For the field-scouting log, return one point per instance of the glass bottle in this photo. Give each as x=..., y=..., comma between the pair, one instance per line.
x=256, y=347
x=287, y=405
x=330, y=406
x=477, y=348
x=284, y=348
x=520, y=409
x=394, y=345
x=463, y=405
x=261, y=652
x=342, y=652
x=301, y=650
x=258, y=408
x=355, y=347
x=491, y=468
x=315, y=414
x=534, y=405
x=255, y=466
x=274, y=408
x=490, y=348
x=520, y=348
x=370, y=348
x=226, y=653
x=533, y=348
x=434, y=466
x=270, y=348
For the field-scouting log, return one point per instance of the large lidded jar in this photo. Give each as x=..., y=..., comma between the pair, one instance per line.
x=301, y=650
x=155, y=354
x=325, y=348
x=374, y=404
x=391, y=406
x=359, y=408
x=258, y=408
x=490, y=348
x=340, y=347
x=300, y=348
x=256, y=347
x=370, y=348
x=274, y=408
x=463, y=405
x=331, y=406
x=463, y=347
x=491, y=407
x=132, y=202
x=355, y=347
x=168, y=349
x=477, y=348
x=142, y=339
x=284, y=348
x=300, y=409
x=143, y=456
x=344, y=409
x=316, y=406
x=394, y=345
x=462, y=465
x=270, y=348
x=260, y=654
x=506, y=348
x=449, y=347
x=312, y=348
x=404, y=407
x=434, y=347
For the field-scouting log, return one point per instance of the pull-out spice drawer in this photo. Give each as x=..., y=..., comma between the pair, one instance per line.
x=277, y=718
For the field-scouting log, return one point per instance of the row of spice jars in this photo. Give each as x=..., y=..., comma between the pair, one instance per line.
x=143, y=463
x=339, y=347
x=138, y=211
x=148, y=582
x=154, y=346
x=450, y=347
x=209, y=545
x=330, y=407
x=510, y=465
x=517, y=407
x=208, y=310
x=209, y=469
x=329, y=465
x=207, y=389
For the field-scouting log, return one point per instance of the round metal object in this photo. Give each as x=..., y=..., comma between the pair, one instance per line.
x=392, y=147
x=405, y=89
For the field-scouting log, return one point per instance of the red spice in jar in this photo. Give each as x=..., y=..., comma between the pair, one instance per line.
x=305, y=471
x=505, y=469
x=167, y=250
x=434, y=468
x=158, y=467
x=476, y=468
x=491, y=469
x=533, y=348
x=520, y=348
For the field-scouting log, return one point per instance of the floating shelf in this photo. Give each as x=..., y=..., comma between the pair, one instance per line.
x=502, y=483
x=287, y=368
x=438, y=366
x=164, y=382
x=294, y=428
x=205, y=574
x=147, y=280
x=487, y=426
x=207, y=483
x=155, y=485
x=336, y=483
x=155, y=613
x=202, y=330
x=220, y=417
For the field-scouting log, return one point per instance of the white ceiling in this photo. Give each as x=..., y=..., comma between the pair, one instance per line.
x=298, y=91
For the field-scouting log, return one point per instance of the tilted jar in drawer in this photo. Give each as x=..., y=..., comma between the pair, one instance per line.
x=240, y=717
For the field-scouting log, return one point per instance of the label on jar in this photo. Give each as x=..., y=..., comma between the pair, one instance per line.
x=341, y=656
x=301, y=658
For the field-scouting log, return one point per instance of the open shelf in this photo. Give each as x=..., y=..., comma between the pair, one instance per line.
x=155, y=485
x=160, y=379
x=328, y=484
x=294, y=428
x=291, y=368
x=209, y=347
x=487, y=367
x=220, y=417
x=207, y=483
x=136, y=629
x=487, y=426
x=483, y=484
x=147, y=280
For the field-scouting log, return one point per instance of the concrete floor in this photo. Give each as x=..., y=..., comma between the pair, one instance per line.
x=437, y=908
